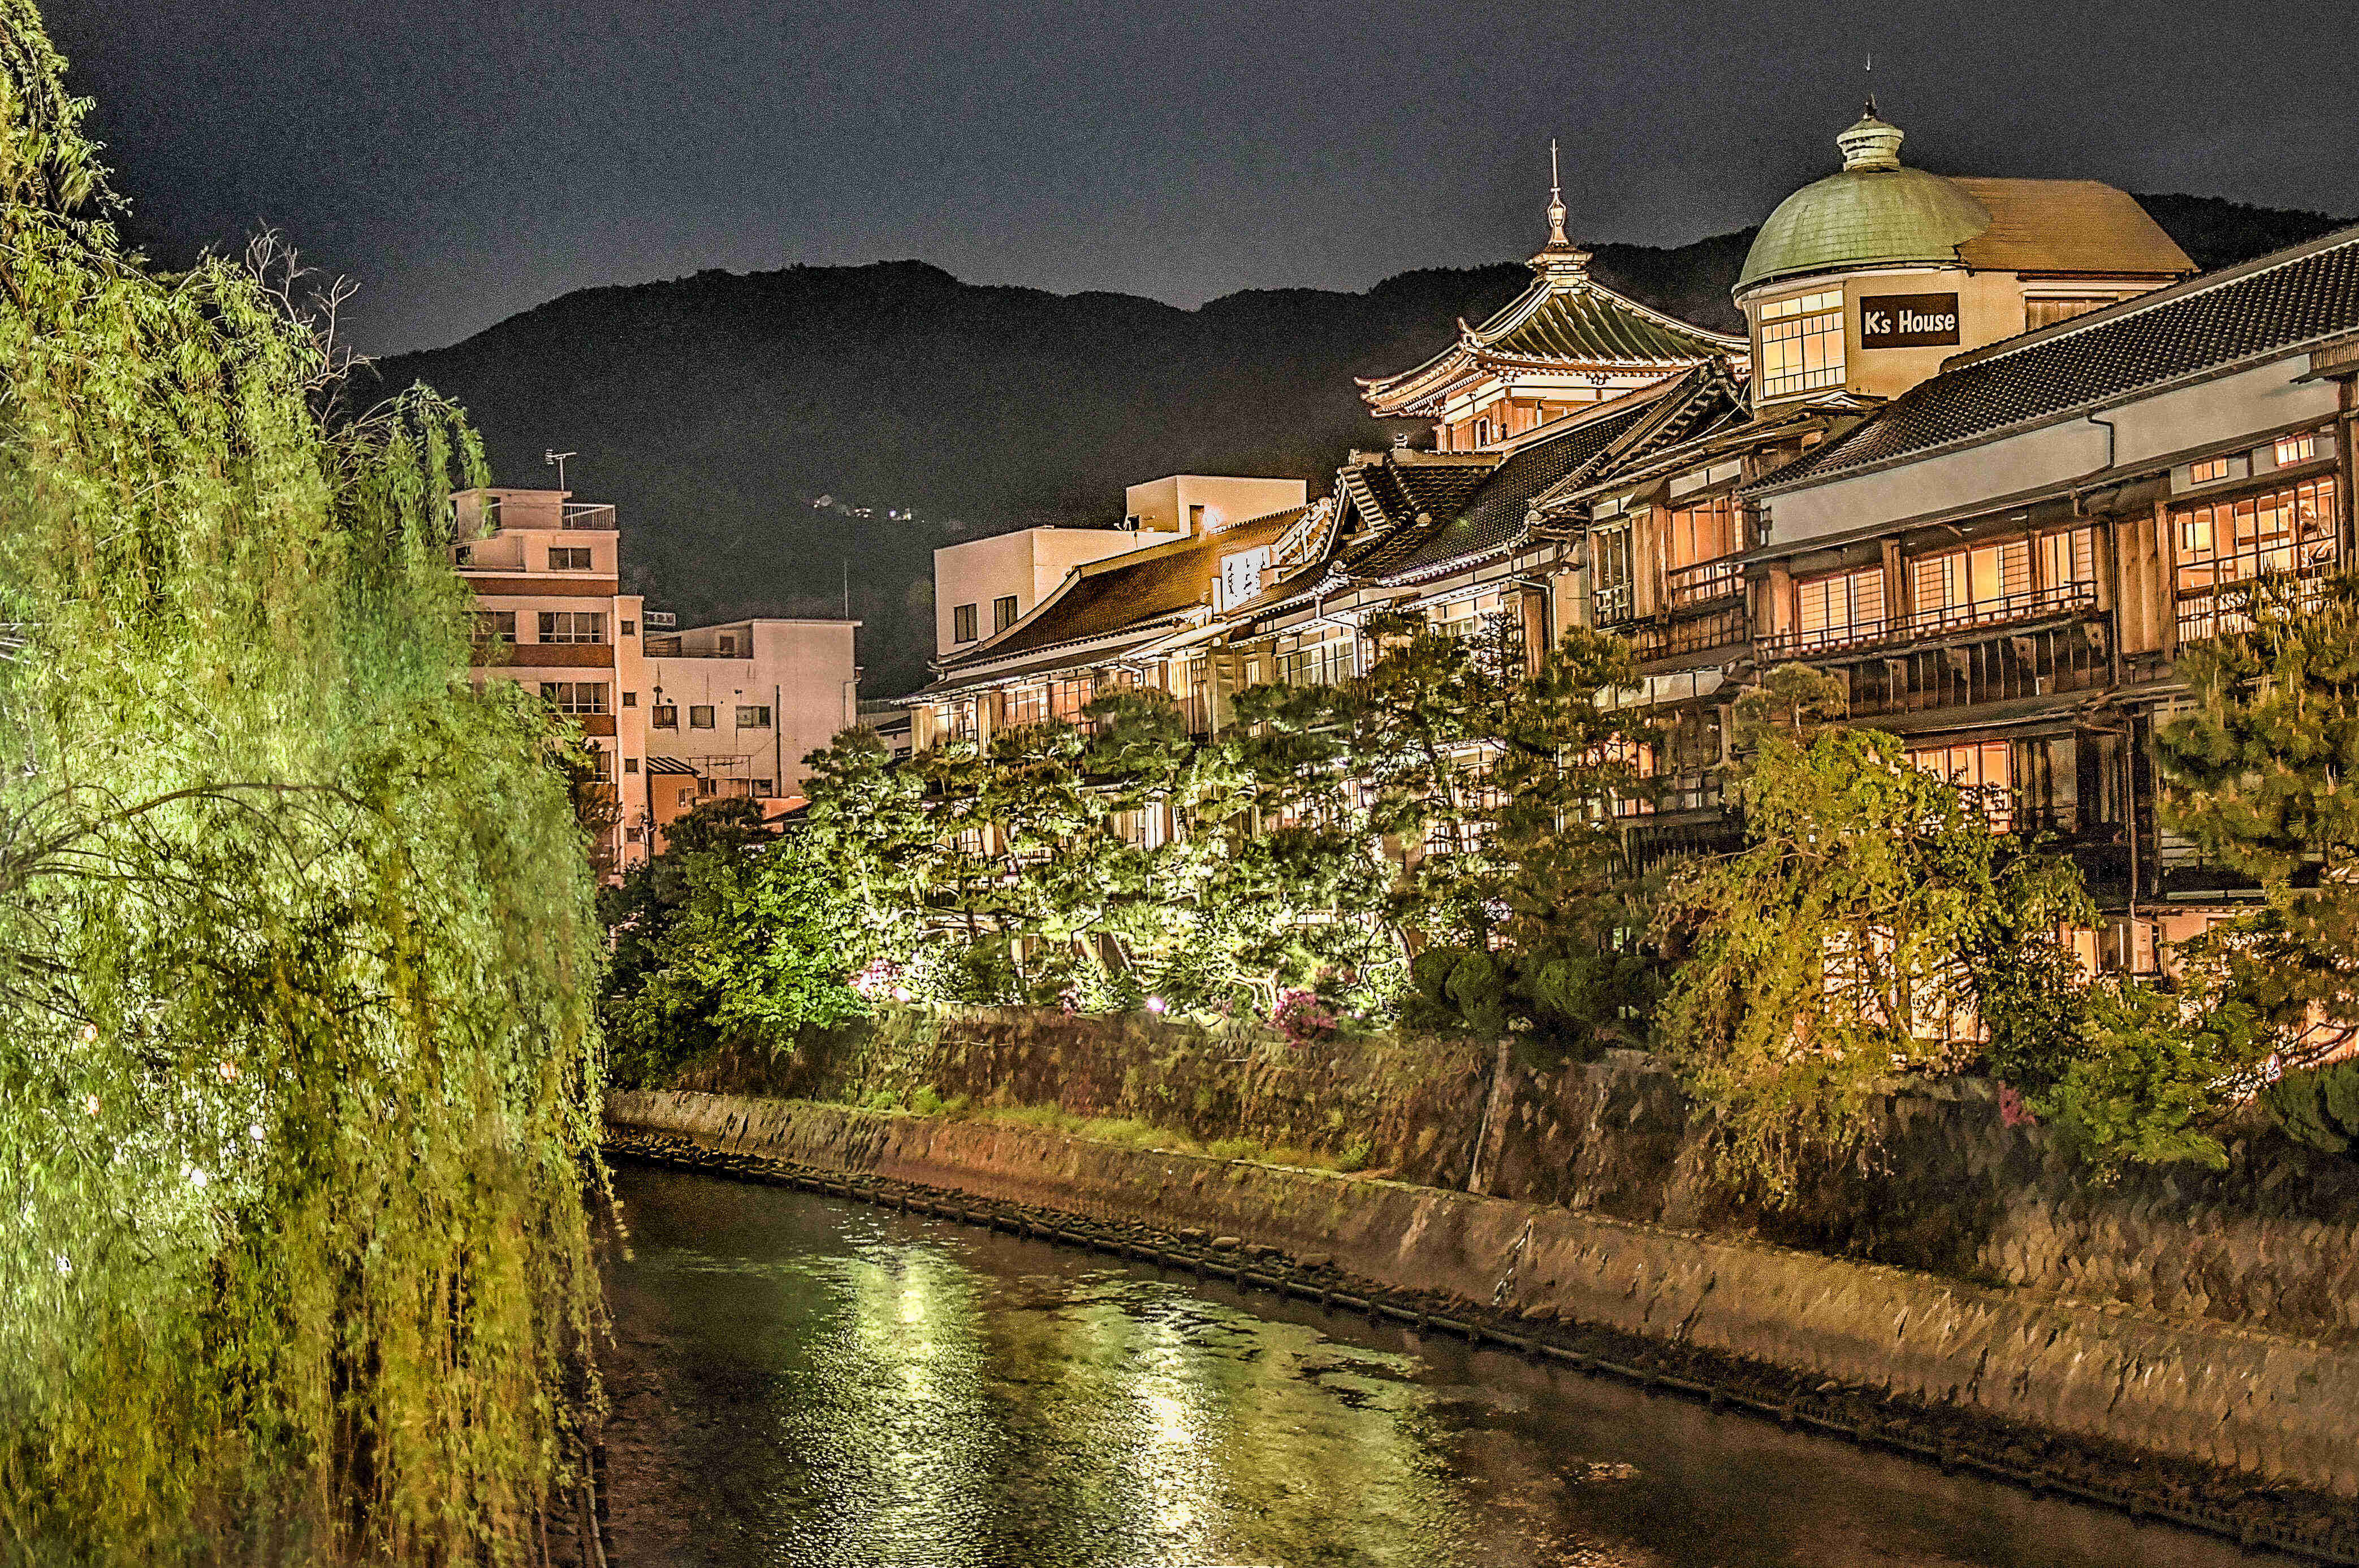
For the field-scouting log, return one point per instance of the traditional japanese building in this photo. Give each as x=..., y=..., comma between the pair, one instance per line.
x=1564, y=344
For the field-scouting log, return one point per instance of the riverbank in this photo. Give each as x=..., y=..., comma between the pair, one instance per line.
x=2015, y=1376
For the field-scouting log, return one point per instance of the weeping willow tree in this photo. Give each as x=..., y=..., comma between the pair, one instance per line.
x=297, y=1065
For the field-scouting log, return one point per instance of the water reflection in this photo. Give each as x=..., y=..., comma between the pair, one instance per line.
x=848, y=1386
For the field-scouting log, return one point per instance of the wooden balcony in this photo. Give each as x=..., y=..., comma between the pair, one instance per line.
x=2061, y=601
x=1705, y=583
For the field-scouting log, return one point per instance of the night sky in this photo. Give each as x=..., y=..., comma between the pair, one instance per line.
x=465, y=162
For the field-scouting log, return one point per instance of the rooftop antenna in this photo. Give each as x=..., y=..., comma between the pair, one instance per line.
x=557, y=460
x=847, y=588
x=1871, y=84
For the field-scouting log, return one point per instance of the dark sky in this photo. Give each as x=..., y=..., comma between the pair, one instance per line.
x=465, y=162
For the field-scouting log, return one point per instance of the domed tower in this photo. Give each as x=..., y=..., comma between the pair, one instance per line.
x=1865, y=281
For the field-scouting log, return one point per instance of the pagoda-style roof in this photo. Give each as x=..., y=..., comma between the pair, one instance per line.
x=1566, y=321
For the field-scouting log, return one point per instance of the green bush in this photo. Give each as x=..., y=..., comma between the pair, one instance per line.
x=2318, y=1106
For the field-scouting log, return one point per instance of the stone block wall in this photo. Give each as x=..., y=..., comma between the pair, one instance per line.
x=2271, y=1243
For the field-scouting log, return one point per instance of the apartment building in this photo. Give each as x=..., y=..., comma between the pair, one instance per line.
x=669, y=716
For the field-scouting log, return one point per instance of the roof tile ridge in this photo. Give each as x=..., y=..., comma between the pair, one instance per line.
x=2138, y=304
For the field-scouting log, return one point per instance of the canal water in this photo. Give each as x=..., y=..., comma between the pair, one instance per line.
x=803, y=1382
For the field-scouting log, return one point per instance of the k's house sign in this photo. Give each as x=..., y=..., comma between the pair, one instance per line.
x=1908, y=320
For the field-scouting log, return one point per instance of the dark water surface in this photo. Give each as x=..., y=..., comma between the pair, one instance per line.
x=810, y=1382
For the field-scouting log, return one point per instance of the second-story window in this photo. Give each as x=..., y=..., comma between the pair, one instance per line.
x=1843, y=607
x=1982, y=580
x=1802, y=343
x=493, y=625
x=571, y=558
x=1699, y=531
x=699, y=718
x=664, y=716
x=1003, y=613
x=575, y=696
x=963, y=624
x=1609, y=557
x=2282, y=530
x=750, y=717
x=572, y=625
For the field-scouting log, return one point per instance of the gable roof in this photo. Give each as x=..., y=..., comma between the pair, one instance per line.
x=1141, y=592
x=1565, y=320
x=2262, y=308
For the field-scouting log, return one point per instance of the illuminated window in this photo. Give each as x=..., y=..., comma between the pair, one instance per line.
x=2302, y=448
x=1979, y=767
x=1983, y=579
x=2277, y=530
x=1802, y=343
x=1609, y=571
x=1068, y=695
x=2068, y=556
x=1028, y=704
x=572, y=625
x=1841, y=608
x=1701, y=531
x=570, y=559
x=1003, y=613
x=2213, y=470
x=963, y=624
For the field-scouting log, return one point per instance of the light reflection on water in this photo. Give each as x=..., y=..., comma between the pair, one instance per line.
x=864, y=1388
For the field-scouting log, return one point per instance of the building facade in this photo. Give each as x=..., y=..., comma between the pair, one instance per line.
x=667, y=716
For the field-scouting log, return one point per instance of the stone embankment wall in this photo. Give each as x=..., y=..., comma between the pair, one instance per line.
x=2272, y=1243
x=2270, y=1404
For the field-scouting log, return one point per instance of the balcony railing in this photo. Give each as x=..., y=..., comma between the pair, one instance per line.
x=2008, y=609
x=1703, y=583
x=2225, y=608
x=1697, y=634
x=599, y=518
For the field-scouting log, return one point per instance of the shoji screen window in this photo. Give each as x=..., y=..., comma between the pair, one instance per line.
x=1847, y=607
x=1966, y=586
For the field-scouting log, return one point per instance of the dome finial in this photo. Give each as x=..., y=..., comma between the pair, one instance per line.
x=1556, y=239
x=1869, y=142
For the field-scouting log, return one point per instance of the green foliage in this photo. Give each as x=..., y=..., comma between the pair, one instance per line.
x=297, y=1080
x=1833, y=951
x=2318, y=1105
x=2151, y=1071
x=2259, y=777
x=730, y=937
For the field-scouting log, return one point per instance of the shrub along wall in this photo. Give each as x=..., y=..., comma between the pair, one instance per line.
x=2272, y=1242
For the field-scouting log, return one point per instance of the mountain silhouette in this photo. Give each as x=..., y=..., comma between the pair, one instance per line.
x=778, y=442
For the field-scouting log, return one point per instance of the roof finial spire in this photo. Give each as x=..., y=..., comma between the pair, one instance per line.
x=1555, y=240
x=1869, y=112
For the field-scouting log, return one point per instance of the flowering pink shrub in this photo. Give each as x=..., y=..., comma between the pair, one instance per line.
x=2012, y=1110
x=1301, y=1017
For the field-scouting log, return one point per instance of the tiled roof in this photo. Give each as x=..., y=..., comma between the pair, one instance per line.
x=2278, y=302
x=1124, y=590
x=1494, y=517
x=2067, y=225
x=1591, y=323
x=1565, y=318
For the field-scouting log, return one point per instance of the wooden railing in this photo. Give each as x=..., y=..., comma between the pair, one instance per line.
x=2007, y=609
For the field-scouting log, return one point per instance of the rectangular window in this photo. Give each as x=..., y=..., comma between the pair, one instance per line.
x=1069, y=696
x=1846, y=606
x=630, y=628
x=708, y=787
x=2211, y=470
x=630, y=765
x=572, y=625
x=664, y=716
x=1699, y=531
x=963, y=624
x=1960, y=586
x=2302, y=448
x=2038, y=313
x=1195, y=519
x=762, y=786
x=575, y=696
x=1802, y=343
x=2277, y=530
x=750, y=717
x=1003, y=613
x=601, y=765
x=699, y=718
x=1980, y=767
x=630, y=699
x=573, y=559
x=1610, y=574
x=493, y=625
x=1028, y=704
x=2067, y=558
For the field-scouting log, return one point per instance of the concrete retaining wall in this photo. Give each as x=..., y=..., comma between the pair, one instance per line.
x=2270, y=1404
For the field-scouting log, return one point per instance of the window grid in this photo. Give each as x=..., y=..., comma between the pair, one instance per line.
x=1802, y=343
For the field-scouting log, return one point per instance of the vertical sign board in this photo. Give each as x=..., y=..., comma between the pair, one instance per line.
x=1908, y=320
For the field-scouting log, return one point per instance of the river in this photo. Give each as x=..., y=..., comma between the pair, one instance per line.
x=807, y=1383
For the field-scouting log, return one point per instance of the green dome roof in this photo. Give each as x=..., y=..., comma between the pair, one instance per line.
x=1873, y=214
